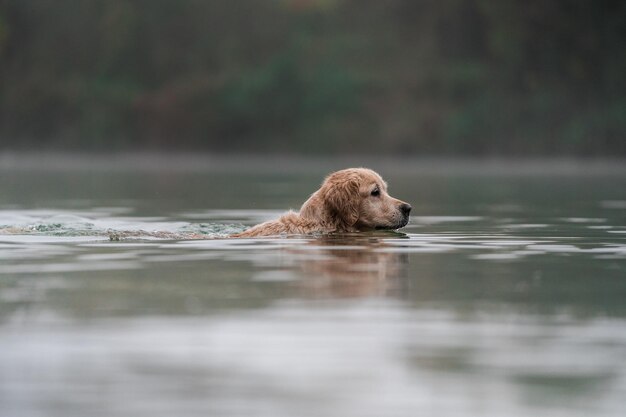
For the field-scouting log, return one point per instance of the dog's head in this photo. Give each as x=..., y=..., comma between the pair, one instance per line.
x=356, y=199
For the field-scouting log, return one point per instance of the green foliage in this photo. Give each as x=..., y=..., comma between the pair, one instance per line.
x=285, y=100
x=451, y=77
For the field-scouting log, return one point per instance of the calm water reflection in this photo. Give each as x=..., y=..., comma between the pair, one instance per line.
x=504, y=296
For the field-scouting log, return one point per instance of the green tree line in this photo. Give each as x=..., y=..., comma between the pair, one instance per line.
x=506, y=77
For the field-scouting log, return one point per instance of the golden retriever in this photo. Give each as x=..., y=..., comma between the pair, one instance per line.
x=350, y=200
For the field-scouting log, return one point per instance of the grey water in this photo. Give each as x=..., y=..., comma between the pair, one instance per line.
x=504, y=296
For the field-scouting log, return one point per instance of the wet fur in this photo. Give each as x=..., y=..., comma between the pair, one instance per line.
x=344, y=203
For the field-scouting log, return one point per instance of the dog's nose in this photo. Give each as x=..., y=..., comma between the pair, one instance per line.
x=405, y=208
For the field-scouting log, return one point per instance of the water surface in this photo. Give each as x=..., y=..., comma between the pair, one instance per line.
x=503, y=296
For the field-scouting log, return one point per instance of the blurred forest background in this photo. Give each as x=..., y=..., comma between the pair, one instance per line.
x=447, y=77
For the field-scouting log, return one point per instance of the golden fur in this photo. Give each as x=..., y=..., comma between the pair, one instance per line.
x=350, y=200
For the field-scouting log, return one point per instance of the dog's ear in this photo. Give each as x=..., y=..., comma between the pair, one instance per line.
x=341, y=198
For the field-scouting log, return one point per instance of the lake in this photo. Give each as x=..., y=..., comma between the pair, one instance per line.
x=504, y=296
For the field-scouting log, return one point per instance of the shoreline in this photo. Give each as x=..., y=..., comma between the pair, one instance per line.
x=161, y=161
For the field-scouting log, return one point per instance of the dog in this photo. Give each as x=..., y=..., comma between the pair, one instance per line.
x=350, y=200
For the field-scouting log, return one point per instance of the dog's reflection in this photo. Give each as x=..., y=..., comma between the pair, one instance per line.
x=350, y=266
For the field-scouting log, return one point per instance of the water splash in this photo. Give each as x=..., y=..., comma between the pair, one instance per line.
x=103, y=225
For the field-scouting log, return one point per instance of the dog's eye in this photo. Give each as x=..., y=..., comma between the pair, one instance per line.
x=375, y=192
